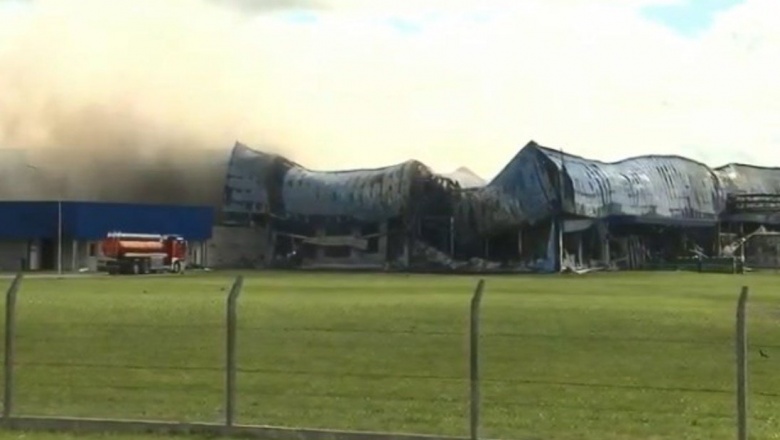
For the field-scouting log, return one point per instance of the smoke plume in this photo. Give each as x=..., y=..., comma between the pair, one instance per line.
x=124, y=101
x=141, y=100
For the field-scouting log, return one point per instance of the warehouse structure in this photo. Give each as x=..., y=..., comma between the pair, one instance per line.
x=634, y=213
x=545, y=211
x=360, y=218
x=624, y=212
x=47, y=235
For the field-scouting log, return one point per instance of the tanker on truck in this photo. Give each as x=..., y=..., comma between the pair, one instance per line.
x=131, y=253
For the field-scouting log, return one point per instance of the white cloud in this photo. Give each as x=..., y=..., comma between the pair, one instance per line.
x=592, y=77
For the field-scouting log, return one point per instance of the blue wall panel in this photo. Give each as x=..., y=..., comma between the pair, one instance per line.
x=27, y=220
x=94, y=220
x=90, y=221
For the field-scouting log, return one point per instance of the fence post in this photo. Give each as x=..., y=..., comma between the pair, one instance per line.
x=476, y=302
x=10, y=338
x=741, y=348
x=230, y=367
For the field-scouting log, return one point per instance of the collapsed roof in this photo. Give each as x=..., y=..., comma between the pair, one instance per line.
x=653, y=188
x=672, y=188
x=260, y=183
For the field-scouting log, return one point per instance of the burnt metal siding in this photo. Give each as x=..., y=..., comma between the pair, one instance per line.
x=748, y=179
x=526, y=181
x=246, y=190
x=260, y=183
x=487, y=210
x=367, y=195
x=665, y=189
x=91, y=221
x=660, y=187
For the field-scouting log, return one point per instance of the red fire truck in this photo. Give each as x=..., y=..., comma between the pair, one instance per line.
x=125, y=253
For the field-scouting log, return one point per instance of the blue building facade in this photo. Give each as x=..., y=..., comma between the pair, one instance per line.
x=29, y=231
x=91, y=220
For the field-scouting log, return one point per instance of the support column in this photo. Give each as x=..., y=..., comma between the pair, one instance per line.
x=74, y=252
x=355, y=253
x=520, y=243
x=320, y=249
x=34, y=255
x=382, y=245
x=556, y=237
x=407, y=252
x=744, y=243
x=603, y=232
x=718, y=247
x=272, y=251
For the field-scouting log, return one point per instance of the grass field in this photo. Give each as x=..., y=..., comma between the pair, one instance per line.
x=10, y=435
x=603, y=356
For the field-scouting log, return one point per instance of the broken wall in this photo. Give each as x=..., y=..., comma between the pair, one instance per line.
x=488, y=209
x=238, y=247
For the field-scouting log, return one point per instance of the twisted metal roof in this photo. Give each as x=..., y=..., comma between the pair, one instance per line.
x=262, y=183
x=649, y=188
x=669, y=187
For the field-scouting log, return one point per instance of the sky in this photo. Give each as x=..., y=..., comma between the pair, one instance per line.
x=690, y=18
x=337, y=84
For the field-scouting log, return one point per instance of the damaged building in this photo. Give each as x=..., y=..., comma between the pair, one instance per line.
x=359, y=219
x=581, y=212
x=750, y=223
x=545, y=211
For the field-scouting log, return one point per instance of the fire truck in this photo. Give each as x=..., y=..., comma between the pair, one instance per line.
x=124, y=253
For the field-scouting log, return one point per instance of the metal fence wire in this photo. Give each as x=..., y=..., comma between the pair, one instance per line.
x=121, y=370
x=256, y=365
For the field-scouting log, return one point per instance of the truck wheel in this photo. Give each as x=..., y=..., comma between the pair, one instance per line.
x=177, y=267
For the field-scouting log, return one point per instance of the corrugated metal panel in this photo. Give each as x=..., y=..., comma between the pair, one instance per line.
x=486, y=210
x=89, y=221
x=526, y=180
x=656, y=186
x=748, y=179
x=649, y=186
x=246, y=188
x=263, y=183
x=369, y=195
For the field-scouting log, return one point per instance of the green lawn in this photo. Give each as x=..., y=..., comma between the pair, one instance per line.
x=602, y=356
x=66, y=436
